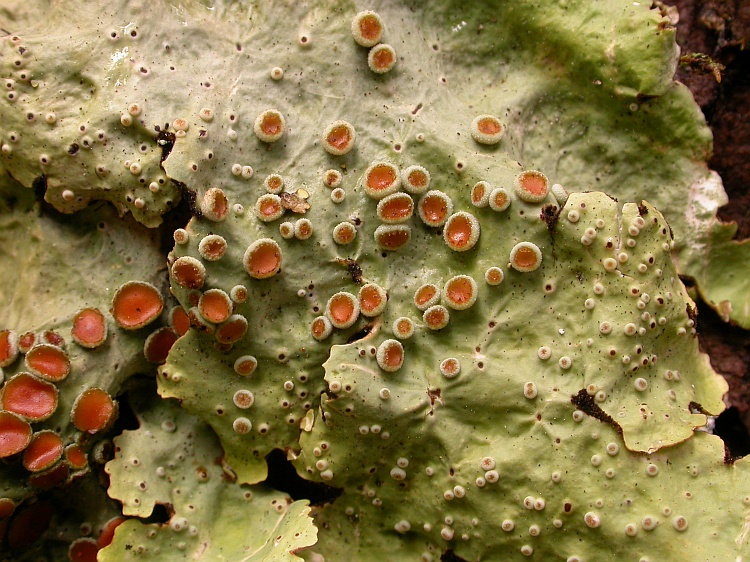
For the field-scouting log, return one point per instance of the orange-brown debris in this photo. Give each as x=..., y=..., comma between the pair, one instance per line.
x=93, y=410
x=30, y=397
x=89, y=328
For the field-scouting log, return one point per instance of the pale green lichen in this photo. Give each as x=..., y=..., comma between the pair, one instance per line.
x=171, y=460
x=52, y=267
x=473, y=431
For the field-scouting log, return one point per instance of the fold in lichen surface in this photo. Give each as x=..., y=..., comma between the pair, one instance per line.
x=385, y=275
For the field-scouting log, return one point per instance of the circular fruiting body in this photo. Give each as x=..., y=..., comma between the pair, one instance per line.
x=381, y=58
x=381, y=179
x=262, y=259
x=487, y=129
x=532, y=186
x=461, y=231
x=339, y=138
x=525, y=257
x=136, y=304
x=367, y=28
x=270, y=125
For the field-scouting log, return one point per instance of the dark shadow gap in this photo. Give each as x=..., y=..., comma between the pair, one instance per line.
x=283, y=476
x=733, y=432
